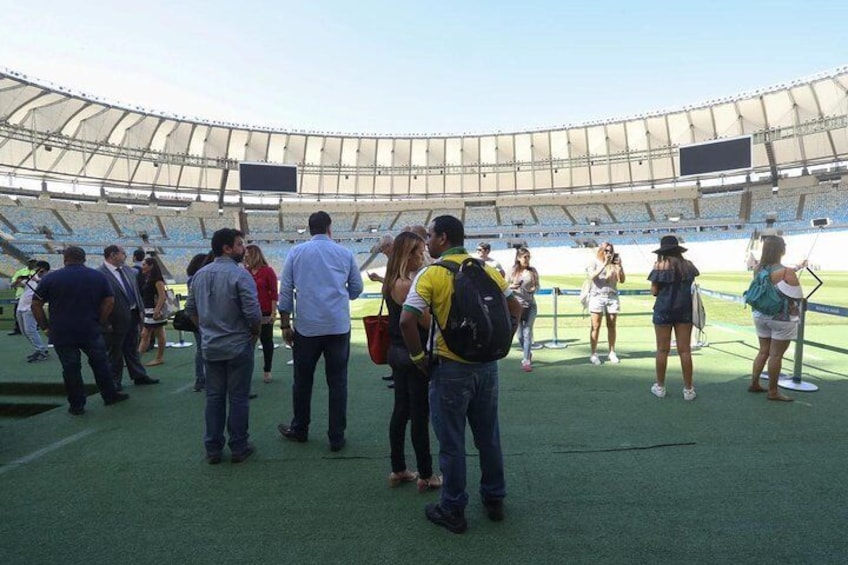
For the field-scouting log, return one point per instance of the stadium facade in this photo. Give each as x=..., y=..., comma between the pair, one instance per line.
x=76, y=168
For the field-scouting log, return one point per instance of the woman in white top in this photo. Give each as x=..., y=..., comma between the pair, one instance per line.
x=524, y=282
x=775, y=332
x=605, y=273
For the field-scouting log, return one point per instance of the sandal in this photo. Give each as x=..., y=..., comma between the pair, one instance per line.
x=431, y=483
x=266, y=378
x=405, y=476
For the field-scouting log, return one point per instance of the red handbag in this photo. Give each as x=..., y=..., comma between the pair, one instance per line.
x=377, y=333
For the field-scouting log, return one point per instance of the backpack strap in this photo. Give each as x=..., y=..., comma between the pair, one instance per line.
x=434, y=322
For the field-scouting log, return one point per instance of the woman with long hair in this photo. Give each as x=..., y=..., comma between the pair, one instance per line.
x=776, y=331
x=411, y=387
x=266, y=287
x=197, y=262
x=671, y=283
x=524, y=282
x=153, y=294
x=604, y=275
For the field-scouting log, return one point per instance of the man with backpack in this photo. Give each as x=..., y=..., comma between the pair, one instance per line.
x=475, y=315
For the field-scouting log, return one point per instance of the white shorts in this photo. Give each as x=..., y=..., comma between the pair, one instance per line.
x=775, y=329
x=600, y=303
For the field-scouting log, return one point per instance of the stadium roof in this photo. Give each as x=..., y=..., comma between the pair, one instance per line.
x=49, y=131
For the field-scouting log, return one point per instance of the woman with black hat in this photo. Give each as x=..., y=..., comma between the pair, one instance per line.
x=671, y=282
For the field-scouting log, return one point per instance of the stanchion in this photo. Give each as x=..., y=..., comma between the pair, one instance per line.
x=555, y=343
x=795, y=383
x=182, y=343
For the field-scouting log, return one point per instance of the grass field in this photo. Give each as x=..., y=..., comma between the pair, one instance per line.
x=598, y=470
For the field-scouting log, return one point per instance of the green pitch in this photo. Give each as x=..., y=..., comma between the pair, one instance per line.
x=598, y=470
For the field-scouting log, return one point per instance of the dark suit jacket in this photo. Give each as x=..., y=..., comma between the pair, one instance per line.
x=122, y=318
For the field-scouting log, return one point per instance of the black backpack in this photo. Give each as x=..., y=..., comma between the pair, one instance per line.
x=479, y=327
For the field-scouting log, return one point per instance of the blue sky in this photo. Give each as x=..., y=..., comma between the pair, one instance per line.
x=420, y=67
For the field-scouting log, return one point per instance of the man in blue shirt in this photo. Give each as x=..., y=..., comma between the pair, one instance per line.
x=326, y=278
x=224, y=304
x=81, y=301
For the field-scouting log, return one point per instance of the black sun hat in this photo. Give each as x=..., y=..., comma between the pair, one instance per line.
x=669, y=243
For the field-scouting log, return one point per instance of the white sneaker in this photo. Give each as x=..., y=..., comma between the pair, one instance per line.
x=594, y=359
x=659, y=391
x=613, y=358
x=689, y=394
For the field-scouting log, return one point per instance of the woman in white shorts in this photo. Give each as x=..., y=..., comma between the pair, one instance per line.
x=605, y=273
x=777, y=331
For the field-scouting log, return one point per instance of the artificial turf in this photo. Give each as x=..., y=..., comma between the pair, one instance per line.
x=598, y=470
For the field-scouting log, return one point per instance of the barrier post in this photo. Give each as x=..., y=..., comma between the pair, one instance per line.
x=182, y=343
x=555, y=343
x=795, y=383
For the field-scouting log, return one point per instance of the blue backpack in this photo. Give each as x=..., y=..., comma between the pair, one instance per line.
x=763, y=296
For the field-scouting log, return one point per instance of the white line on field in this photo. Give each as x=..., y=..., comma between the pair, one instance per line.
x=183, y=388
x=45, y=450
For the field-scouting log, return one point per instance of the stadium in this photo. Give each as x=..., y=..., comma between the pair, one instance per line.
x=80, y=170
x=593, y=469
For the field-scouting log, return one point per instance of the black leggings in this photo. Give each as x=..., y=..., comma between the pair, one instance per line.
x=411, y=403
x=266, y=338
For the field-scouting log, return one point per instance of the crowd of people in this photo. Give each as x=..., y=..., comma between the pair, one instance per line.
x=112, y=313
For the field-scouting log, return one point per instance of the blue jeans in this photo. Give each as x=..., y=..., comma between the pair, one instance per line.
x=460, y=391
x=306, y=352
x=199, y=364
x=28, y=325
x=525, y=329
x=98, y=360
x=228, y=379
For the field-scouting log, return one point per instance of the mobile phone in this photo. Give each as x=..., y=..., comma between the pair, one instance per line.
x=615, y=258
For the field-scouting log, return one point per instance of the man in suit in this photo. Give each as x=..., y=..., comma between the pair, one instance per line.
x=122, y=332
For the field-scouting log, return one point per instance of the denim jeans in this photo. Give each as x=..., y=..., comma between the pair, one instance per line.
x=98, y=360
x=199, y=364
x=228, y=380
x=525, y=329
x=460, y=391
x=306, y=351
x=29, y=327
